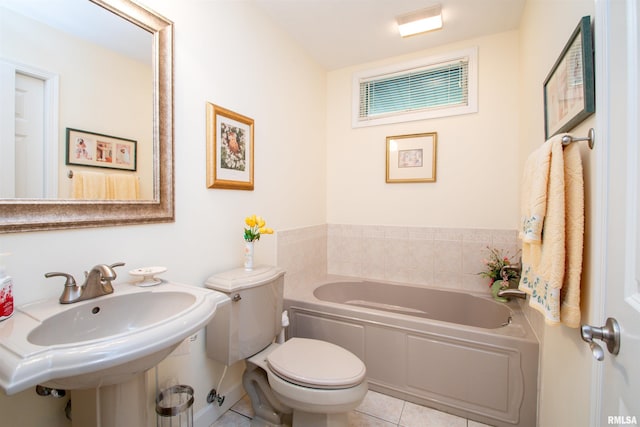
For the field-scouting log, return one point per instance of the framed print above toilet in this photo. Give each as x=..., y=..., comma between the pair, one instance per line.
x=411, y=158
x=229, y=149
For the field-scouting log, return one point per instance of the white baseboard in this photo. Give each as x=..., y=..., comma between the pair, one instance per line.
x=210, y=413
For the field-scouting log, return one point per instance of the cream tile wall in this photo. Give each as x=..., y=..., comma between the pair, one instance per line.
x=302, y=253
x=440, y=257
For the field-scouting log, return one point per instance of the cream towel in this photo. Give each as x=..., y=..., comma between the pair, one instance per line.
x=534, y=193
x=552, y=231
x=89, y=186
x=123, y=187
x=574, y=229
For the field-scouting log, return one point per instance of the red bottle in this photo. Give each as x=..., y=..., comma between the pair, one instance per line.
x=6, y=295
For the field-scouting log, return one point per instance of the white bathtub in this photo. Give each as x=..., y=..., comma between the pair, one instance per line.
x=460, y=353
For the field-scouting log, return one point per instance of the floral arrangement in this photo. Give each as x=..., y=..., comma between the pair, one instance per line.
x=256, y=226
x=498, y=259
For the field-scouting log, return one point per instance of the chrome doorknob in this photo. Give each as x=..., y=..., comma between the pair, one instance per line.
x=609, y=333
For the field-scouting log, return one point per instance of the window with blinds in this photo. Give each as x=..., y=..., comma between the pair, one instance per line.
x=432, y=87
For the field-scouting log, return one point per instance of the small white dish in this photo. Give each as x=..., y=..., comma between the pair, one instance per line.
x=147, y=275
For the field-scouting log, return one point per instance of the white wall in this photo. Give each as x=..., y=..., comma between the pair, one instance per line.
x=229, y=54
x=565, y=360
x=477, y=171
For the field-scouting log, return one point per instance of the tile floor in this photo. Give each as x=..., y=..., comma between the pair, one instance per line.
x=377, y=410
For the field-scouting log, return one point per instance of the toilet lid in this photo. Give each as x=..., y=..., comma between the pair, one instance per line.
x=316, y=364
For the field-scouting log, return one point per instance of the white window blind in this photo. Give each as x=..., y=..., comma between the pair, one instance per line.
x=434, y=87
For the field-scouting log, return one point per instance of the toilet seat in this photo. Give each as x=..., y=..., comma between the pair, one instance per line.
x=316, y=364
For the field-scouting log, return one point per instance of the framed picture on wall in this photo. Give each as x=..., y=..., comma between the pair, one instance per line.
x=229, y=149
x=411, y=158
x=569, y=89
x=86, y=148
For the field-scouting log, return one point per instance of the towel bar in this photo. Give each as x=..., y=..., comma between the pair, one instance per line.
x=568, y=139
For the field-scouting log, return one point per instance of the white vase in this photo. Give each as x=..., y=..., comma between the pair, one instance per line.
x=248, y=256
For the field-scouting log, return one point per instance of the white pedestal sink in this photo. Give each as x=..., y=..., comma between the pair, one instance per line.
x=102, y=342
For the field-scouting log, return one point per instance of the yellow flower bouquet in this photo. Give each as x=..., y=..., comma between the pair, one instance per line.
x=256, y=227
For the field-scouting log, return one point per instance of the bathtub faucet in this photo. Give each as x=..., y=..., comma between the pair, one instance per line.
x=511, y=293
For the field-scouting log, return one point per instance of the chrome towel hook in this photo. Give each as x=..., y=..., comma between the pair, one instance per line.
x=568, y=139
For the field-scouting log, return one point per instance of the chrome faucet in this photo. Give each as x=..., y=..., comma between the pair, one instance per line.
x=97, y=282
x=511, y=293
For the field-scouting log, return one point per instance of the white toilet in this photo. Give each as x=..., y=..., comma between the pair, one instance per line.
x=303, y=382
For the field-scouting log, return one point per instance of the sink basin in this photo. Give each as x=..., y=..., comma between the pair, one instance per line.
x=102, y=318
x=103, y=341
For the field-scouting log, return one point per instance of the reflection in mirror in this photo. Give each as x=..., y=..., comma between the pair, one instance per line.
x=99, y=77
x=108, y=114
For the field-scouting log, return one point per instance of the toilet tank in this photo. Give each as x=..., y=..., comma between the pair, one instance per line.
x=254, y=317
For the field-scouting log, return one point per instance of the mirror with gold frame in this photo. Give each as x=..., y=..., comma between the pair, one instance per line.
x=31, y=214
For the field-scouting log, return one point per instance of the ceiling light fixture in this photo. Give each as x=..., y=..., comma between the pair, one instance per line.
x=420, y=21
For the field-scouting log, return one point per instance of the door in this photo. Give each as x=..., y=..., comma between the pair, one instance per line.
x=29, y=137
x=617, y=378
x=29, y=141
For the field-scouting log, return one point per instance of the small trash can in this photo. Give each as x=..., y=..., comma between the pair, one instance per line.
x=174, y=407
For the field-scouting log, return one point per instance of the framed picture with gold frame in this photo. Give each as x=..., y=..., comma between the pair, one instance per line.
x=411, y=158
x=229, y=149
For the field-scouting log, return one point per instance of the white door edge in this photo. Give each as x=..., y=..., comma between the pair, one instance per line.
x=599, y=223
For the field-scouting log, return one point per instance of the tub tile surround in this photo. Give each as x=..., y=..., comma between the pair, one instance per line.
x=440, y=257
x=377, y=410
x=302, y=253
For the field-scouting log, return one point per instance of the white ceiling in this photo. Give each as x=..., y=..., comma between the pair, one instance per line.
x=340, y=33
x=336, y=33
x=85, y=20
